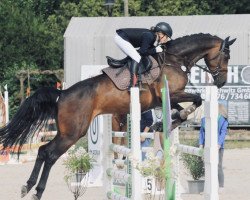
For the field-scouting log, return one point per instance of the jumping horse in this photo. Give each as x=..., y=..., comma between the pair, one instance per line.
x=75, y=108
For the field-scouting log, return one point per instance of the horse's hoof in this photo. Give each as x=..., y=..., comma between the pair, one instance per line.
x=183, y=115
x=175, y=114
x=34, y=197
x=24, y=191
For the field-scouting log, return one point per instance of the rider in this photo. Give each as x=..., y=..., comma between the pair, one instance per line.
x=148, y=41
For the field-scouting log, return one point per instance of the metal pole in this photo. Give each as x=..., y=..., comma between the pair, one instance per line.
x=126, y=14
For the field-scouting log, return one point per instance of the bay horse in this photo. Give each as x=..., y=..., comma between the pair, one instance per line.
x=75, y=108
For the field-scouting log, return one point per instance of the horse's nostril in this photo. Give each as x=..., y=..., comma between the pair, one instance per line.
x=220, y=84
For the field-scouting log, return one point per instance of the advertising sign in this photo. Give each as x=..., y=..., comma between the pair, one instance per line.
x=236, y=92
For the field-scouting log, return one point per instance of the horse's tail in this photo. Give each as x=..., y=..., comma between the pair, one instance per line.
x=32, y=115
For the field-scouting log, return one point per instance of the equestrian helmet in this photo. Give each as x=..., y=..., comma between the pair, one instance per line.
x=164, y=28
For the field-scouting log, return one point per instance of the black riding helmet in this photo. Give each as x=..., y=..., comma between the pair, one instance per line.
x=164, y=28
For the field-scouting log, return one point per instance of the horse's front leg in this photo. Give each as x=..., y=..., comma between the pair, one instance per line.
x=180, y=97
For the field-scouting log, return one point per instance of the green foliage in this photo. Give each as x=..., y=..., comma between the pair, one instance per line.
x=92, y=8
x=46, y=8
x=78, y=160
x=36, y=81
x=26, y=43
x=32, y=30
x=82, y=142
x=25, y=37
x=13, y=88
x=194, y=164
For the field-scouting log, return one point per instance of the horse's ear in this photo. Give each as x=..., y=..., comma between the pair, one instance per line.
x=231, y=41
x=227, y=39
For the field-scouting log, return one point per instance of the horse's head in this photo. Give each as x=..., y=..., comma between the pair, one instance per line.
x=217, y=61
x=188, y=50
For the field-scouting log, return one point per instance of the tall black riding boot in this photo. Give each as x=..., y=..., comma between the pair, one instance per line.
x=133, y=72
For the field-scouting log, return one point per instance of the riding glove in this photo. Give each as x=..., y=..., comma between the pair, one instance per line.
x=158, y=49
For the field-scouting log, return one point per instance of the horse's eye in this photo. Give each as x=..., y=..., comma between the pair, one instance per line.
x=227, y=56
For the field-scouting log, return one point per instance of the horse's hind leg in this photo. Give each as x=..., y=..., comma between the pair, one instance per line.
x=35, y=172
x=52, y=152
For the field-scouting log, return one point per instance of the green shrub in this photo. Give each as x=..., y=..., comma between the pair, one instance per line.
x=194, y=164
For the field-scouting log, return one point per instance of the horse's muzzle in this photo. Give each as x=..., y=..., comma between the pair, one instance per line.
x=219, y=82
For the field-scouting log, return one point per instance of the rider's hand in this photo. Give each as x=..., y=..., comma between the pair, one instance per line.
x=158, y=49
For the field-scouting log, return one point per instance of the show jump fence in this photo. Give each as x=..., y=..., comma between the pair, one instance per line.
x=133, y=178
x=210, y=152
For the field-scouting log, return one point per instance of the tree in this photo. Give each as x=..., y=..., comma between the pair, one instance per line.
x=25, y=37
x=25, y=42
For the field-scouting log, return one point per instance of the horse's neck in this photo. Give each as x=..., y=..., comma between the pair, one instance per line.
x=194, y=54
x=189, y=56
x=195, y=49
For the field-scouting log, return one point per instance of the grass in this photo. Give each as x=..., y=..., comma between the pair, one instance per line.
x=229, y=144
x=236, y=138
x=234, y=144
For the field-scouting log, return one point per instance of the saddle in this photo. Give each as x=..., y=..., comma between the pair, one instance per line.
x=119, y=71
x=146, y=63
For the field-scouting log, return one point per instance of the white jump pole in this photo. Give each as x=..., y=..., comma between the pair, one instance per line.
x=107, y=155
x=6, y=102
x=211, y=144
x=135, y=111
x=134, y=153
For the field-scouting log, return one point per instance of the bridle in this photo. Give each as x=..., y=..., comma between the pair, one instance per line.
x=224, y=50
x=220, y=55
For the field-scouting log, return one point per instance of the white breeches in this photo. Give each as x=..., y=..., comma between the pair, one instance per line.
x=127, y=48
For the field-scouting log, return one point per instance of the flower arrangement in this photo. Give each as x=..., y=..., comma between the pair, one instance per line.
x=152, y=166
x=78, y=160
x=153, y=169
x=78, y=163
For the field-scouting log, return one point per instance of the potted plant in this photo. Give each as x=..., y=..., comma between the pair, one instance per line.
x=78, y=163
x=195, y=165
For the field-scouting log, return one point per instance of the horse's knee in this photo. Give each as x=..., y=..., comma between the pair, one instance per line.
x=41, y=153
x=51, y=158
x=47, y=155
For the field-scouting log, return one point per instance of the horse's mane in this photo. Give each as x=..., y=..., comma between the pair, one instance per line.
x=195, y=39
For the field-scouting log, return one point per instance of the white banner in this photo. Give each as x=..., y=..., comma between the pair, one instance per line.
x=95, y=132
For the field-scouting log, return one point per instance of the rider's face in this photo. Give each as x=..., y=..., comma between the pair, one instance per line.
x=162, y=38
